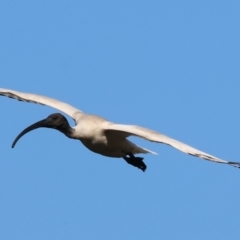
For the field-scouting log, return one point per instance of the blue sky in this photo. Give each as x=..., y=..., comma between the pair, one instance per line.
x=172, y=66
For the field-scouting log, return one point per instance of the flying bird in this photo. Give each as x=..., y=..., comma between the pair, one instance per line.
x=100, y=135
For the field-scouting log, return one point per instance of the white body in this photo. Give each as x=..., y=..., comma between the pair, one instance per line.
x=91, y=132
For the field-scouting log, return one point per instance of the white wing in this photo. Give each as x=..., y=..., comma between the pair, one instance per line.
x=34, y=98
x=128, y=130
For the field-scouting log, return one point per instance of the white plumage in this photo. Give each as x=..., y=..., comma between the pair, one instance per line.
x=102, y=136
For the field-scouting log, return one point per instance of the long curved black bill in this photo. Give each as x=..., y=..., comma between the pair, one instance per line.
x=36, y=125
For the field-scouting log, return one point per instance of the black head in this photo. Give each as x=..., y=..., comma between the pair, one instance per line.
x=55, y=121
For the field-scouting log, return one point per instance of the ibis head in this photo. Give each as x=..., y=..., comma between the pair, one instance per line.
x=56, y=121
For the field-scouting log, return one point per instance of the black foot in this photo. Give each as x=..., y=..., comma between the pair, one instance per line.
x=135, y=161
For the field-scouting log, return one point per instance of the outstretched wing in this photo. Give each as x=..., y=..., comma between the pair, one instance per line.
x=34, y=98
x=132, y=130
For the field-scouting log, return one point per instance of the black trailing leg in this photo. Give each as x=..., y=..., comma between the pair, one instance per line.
x=135, y=161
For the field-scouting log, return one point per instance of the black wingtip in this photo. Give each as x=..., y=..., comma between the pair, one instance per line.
x=234, y=164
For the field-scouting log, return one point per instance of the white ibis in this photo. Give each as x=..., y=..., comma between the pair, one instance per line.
x=101, y=136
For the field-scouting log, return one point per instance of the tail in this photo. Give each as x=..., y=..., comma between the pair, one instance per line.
x=148, y=151
x=136, y=149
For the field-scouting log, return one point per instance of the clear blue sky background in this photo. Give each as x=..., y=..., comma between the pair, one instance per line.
x=172, y=66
